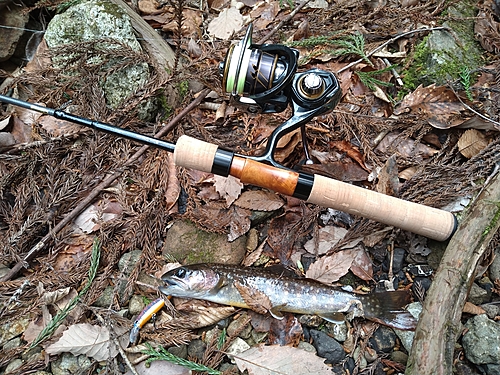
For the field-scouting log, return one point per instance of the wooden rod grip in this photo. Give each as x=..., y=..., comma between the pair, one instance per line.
x=426, y=221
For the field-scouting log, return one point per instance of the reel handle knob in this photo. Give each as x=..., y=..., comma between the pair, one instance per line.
x=311, y=86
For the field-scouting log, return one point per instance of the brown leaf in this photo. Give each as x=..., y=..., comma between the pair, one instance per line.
x=438, y=104
x=202, y=313
x=260, y=200
x=239, y=224
x=470, y=308
x=92, y=341
x=226, y=23
x=255, y=299
x=330, y=268
x=173, y=185
x=394, y=142
x=229, y=188
x=388, y=179
x=351, y=151
x=471, y=143
x=280, y=360
x=345, y=170
x=328, y=237
x=56, y=127
x=362, y=265
x=287, y=331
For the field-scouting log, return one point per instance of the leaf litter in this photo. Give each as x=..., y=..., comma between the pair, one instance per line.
x=57, y=174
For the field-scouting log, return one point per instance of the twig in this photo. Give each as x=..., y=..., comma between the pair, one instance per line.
x=484, y=117
x=392, y=40
x=97, y=190
x=280, y=25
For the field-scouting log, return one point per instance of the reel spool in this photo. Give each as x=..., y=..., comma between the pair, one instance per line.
x=259, y=76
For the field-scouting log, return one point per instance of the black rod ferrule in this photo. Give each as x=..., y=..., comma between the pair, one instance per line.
x=222, y=162
x=304, y=186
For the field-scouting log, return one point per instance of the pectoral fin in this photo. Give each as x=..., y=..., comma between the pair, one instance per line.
x=276, y=312
x=220, y=284
x=334, y=317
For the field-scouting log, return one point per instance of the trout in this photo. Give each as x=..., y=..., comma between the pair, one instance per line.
x=223, y=284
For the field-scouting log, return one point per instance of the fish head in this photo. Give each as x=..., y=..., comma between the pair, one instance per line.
x=194, y=281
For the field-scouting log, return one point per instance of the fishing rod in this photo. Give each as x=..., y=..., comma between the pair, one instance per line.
x=264, y=79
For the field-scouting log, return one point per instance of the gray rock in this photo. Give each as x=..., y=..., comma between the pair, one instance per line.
x=383, y=339
x=180, y=351
x=128, y=261
x=492, y=369
x=13, y=328
x=399, y=357
x=12, y=344
x=189, y=244
x=13, y=365
x=481, y=342
x=16, y=17
x=237, y=346
x=136, y=305
x=241, y=325
x=105, y=300
x=327, y=347
x=337, y=330
x=307, y=347
x=93, y=20
x=69, y=364
x=492, y=310
x=196, y=349
x=477, y=295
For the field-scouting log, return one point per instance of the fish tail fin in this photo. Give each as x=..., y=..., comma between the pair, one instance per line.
x=388, y=308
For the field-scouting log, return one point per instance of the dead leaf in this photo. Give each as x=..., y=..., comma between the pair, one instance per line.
x=471, y=143
x=328, y=237
x=351, y=151
x=470, y=308
x=287, y=331
x=407, y=147
x=57, y=127
x=92, y=341
x=226, y=23
x=388, y=179
x=330, y=268
x=173, y=185
x=362, y=265
x=239, y=223
x=259, y=200
x=202, y=313
x=94, y=215
x=438, y=104
x=281, y=360
x=255, y=299
x=159, y=368
x=228, y=188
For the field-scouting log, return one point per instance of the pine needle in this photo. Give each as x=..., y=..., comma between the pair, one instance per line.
x=368, y=78
x=161, y=354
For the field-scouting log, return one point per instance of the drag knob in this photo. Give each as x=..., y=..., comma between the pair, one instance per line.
x=311, y=86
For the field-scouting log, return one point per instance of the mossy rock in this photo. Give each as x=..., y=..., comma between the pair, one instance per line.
x=189, y=244
x=442, y=55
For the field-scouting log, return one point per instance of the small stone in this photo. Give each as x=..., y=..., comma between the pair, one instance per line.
x=15, y=18
x=228, y=368
x=196, y=349
x=359, y=358
x=486, y=284
x=313, y=321
x=307, y=347
x=13, y=365
x=383, y=339
x=128, y=261
x=67, y=363
x=12, y=344
x=464, y=368
x=136, y=305
x=258, y=337
x=477, y=295
x=491, y=310
x=241, y=325
x=12, y=329
x=481, y=342
x=337, y=330
x=370, y=354
x=327, y=347
x=180, y=351
x=399, y=357
x=106, y=298
x=237, y=346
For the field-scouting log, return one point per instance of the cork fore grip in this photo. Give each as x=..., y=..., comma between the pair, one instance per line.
x=426, y=221
x=195, y=154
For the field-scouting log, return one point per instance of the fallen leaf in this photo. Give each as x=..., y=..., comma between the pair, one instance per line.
x=159, y=368
x=362, y=265
x=57, y=127
x=388, y=179
x=259, y=200
x=94, y=215
x=330, y=268
x=173, y=185
x=287, y=331
x=470, y=308
x=280, y=360
x=328, y=237
x=438, y=104
x=226, y=23
x=471, y=143
x=407, y=147
x=202, y=313
x=228, y=188
x=92, y=341
x=351, y=151
x=255, y=299
x=239, y=223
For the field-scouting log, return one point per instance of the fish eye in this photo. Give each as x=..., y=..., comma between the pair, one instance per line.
x=180, y=273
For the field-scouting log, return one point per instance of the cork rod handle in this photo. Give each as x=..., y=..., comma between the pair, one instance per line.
x=426, y=221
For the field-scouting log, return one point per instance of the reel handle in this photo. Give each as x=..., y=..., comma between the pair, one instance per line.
x=423, y=220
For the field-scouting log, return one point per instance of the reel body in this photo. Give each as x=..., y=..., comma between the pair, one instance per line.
x=264, y=79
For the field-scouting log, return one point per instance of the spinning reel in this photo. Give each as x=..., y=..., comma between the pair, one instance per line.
x=264, y=79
